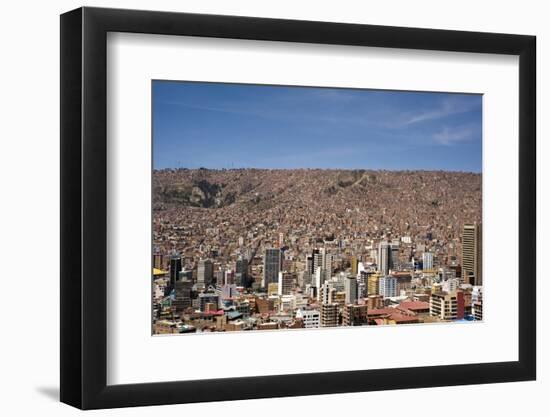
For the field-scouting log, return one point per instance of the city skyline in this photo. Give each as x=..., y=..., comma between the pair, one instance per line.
x=224, y=126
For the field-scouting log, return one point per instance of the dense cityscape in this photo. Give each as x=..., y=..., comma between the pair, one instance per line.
x=267, y=249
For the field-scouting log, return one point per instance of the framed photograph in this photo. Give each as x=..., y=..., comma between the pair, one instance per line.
x=258, y=208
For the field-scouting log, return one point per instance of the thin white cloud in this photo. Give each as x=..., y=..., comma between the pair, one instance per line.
x=450, y=106
x=454, y=136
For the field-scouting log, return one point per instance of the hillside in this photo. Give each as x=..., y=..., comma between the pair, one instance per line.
x=311, y=204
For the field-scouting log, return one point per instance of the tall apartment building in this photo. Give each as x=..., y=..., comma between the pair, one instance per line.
x=477, y=309
x=477, y=303
x=384, y=257
x=447, y=306
x=387, y=287
x=350, y=288
x=355, y=315
x=361, y=290
x=220, y=277
x=321, y=276
x=285, y=283
x=326, y=293
x=427, y=261
x=158, y=260
x=317, y=259
x=183, y=295
x=175, y=268
x=354, y=265
x=241, y=271
x=394, y=252
x=329, y=315
x=471, y=254
x=272, y=266
x=326, y=261
x=205, y=272
x=373, y=286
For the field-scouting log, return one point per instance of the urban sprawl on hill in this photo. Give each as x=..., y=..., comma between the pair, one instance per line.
x=263, y=249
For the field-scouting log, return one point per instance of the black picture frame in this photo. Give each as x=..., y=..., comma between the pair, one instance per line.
x=84, y=207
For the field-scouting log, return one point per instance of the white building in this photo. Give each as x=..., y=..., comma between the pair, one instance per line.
x=311, y=318
x=477, y=294
x=360, y=268
x=228, y=291
x=451, y=285
x=350, y=288
x=299, y=301
x=427, y=261
x=287, y=303
x=387, y=287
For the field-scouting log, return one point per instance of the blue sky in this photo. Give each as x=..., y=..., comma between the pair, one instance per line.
x=219, y=125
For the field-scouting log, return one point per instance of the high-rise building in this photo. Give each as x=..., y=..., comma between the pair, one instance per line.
x=477, y=302
x=229, y=278
x=286, y=283
x=205, y=273
x=477, y=309
x=387, y=286
x=354, y=315
x=220, y=277
x=182, y=298
x=309, y=264
x=241, y=267
x=320, y=259
x=329, y=314
x=394, y=250
x=321, y=277
x=281, y=239
x=326, y=293
x=361, y=290
x=350, y=288
x=384, y=257
x=305, y=279
x=175, y=268
x=427, y=261
x=362, y=277
x=272, y=266
x=327, y=262
x=447, y=306
x=317, y=260
x=158, y=260
x=354, y=265
x=471, y=254
x=373, y=287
